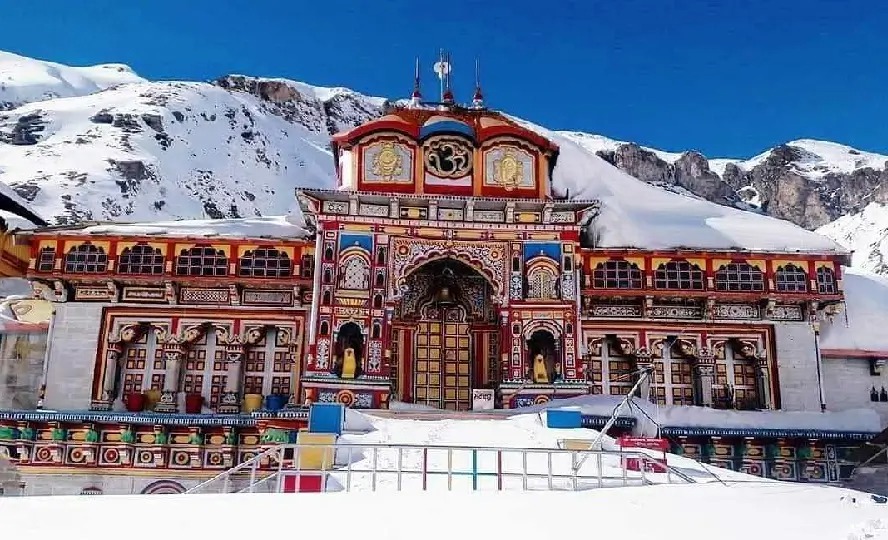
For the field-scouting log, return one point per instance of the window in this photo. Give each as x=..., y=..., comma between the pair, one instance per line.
x=739, y=277
x=202, y=261
x=380, y=256
x=377, y=301
x=355, y=274
x=265, y=262
x=46, y=259
x=143, y=365
x=826, y=281
x=140, y=259
x=791, y=278
x=86, y=259
x=679, y=275
x=205, y=369
x=541, y=284
x=267, y=366
x=616, y=275
x=308, y=266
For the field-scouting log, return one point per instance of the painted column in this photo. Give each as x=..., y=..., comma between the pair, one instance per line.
x=704, y=374
x=643, y=360
x=295, y=374
x=169, y=397
x=109, y=379
x=229, y=401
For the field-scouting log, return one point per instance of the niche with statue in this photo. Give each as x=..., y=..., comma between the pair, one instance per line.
x=348, y=351
x=545, y=358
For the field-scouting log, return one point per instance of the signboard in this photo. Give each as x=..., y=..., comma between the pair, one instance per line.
x=482, y=399
x=655, y=464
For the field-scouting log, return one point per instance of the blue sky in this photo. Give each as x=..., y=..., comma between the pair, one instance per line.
x=729, y=78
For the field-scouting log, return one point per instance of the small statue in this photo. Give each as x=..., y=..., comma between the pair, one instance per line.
x=349, y=363
x=540, y=372
x=558, y=375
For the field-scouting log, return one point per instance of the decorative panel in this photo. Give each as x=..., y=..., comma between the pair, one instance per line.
x=786, y=313
x=388, y=162
x=736, y=311
x=509, y=167
x=616, y=311
x=373, y=210
x=335, y=207
x=267, y=298
x=490, y=216
x=675, y=312
x=193, y=295
x=144, y=294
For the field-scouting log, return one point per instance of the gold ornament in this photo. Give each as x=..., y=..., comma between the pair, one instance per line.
x=387, y=162
x=508, y=171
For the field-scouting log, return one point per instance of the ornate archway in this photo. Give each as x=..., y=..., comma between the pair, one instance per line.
x=443, y=326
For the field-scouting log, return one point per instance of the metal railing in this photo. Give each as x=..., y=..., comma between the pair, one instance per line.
x=386, y=467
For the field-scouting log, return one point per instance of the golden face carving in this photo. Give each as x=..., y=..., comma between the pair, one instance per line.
x=508, y=171
x=387, y=162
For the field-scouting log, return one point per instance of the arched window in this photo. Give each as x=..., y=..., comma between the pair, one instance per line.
x=377, y=330
x=826, y=281
x=46, y=259
x=377, y=301
x=380, y=279
x=791, y=278
x=328, y=253
x=679, y=275
x=328, y=275
x=380, y=256
x=307, y=265
x=541, y=283
x=325, y=328
x=327, y=298
x=739, y=277
x=140, y=259
x=355, y=274
x=202, y=261
x=265, y=262
x=616, y=275
x=86, y=259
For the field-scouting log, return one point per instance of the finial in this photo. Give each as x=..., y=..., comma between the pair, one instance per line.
x=416, y=96
x=448, y=91
x=478, y=98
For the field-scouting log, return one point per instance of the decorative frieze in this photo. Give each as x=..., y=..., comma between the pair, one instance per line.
x=675, y=312
x=787, y=313
x=373, y=210
x=450, y=214
x=616, y=311
x=563, y=217
x=150, y=295
x=95, y=293
x=736, y=311
x=194, y=295
x=490, y=216
x=259, y=297
x=335, y=207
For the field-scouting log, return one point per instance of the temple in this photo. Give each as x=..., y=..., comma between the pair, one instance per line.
x=445, y=261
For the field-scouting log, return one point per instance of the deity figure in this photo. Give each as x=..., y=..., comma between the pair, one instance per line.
x=349, y=363
x=540, y=371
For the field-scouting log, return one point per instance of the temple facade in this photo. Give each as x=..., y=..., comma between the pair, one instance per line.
x=443, y=263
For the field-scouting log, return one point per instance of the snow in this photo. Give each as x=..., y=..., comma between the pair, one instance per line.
x=735, y=512
x=857, y=420
x=820, y=158
x=862, y=326
x=719, y=504
x=26, y=80
x=278, y=227
x=865, y=234
x=635, y=214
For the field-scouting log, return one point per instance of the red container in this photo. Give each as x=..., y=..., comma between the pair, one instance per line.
x=193, y=403
x=134, y=402
x=303, y=483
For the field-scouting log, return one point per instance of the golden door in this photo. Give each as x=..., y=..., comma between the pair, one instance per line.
x=442, y=373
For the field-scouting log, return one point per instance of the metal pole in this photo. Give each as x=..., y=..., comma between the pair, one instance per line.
x=474, y=469
x=600, y=467
x=524, y=469
x=449, y=468
x=375, y=464
x=400, y=455
x=549, y=467
x=348, y=470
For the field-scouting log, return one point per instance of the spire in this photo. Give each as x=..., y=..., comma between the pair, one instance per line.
x=478, y=97
x=448, y=90
x=416, y=96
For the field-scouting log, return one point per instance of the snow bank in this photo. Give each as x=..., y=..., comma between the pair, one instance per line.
x=863, y=420
x=278, y=227
x=864, y=323
x=820, y=158
x=635, y=214
x=738, y=512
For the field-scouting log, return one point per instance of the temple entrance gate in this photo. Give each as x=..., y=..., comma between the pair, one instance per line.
x=443, y=366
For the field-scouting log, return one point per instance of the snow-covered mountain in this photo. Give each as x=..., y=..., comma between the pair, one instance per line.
x=102, y=143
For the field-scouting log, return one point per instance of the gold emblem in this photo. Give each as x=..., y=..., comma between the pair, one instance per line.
x=508, y=171
x=387, y=162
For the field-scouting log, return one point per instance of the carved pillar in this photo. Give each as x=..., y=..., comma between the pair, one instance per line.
x=295, y=373
x=763, y=379
x=704, y=374
x=229, y=401
x=109, y=378
x=644, y=360
x=169, y=396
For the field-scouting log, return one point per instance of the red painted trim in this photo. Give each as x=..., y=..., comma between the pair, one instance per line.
x=854, y=353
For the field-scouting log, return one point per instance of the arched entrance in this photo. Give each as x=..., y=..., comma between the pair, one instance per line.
x=448, y=307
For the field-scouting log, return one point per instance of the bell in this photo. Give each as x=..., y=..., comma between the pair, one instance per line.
x=443, y=296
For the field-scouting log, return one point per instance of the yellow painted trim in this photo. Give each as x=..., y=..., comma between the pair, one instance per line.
x=243, y=249
x=74, y=243
x=777, y=263
x=356, y=227
x=395, y=230
x=471, y=235
x=542, y=236
x=46, y=243
x=657, y=261
x=825, y=264
x=156, y=245
x=433, y=233
x=506, y=235
x=718, y=263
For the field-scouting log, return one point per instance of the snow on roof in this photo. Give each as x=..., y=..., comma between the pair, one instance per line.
x=863, y=420
x=278, y=227
x=862, y=326
x=635, y=214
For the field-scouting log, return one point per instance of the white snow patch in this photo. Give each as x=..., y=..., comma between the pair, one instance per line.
x=864, y=323
x=277, y=227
